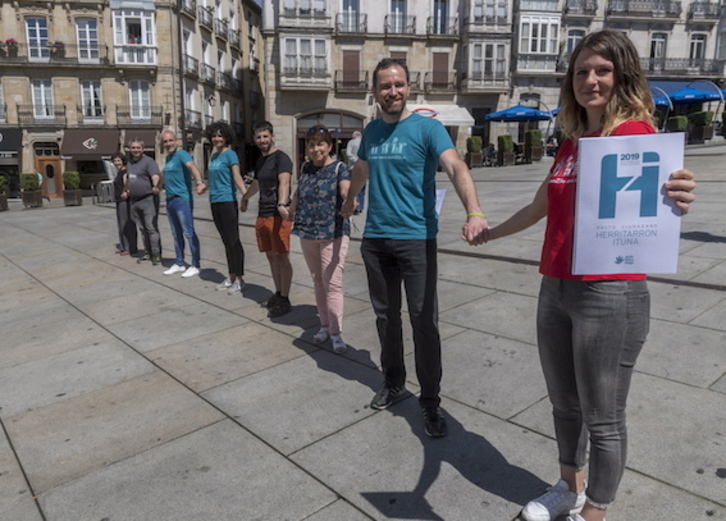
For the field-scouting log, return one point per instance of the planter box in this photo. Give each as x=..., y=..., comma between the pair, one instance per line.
x=73, y=197
x=3, y=202
x=507, y=158
x=701, y=134
x=533, y=153
x=474, y=159
x=33, y=199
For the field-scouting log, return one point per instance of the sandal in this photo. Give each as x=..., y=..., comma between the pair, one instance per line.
x=339, y=345
x=321, y=336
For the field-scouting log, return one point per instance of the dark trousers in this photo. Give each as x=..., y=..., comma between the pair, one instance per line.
x=145, y=213
x=127, y=239
x=390, y=262
x=226, y=216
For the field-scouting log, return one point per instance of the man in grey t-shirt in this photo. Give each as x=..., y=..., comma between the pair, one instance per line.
x=142, y=185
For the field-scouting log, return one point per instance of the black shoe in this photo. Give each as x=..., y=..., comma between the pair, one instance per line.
x=279, y=308
x=387, y=396
x=434, y=422
x=272, y=300
x=143, y=258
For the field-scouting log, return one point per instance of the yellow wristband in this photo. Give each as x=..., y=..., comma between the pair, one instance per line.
x=476, y=214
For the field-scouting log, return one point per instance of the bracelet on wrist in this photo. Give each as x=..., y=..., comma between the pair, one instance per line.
x=476, y=214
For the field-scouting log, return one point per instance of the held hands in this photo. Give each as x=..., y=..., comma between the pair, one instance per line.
x=201, y=188
x=243, y=205
x=285, y=213
x=679, y=187
x=474, y=230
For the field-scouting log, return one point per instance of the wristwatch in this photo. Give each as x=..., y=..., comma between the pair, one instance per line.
x=200, y=182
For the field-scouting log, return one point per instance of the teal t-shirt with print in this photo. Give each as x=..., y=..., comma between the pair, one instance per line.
x=221, y=182
x=402, y=160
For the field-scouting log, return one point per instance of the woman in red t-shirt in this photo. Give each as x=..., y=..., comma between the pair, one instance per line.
x=590, y=328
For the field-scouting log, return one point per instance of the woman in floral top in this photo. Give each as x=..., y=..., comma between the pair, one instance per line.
x=324, y=233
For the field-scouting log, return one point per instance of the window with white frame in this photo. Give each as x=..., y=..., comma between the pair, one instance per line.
x=42, y=99
x=698, y=47
x=304, y=7
x=305, y=56
x=441, y=17
x=37, y=34
x=190, y=95
x=658, y=43
x=134, y=36
x=574, y=37
x=91, y=101
x=538, y=34
x=490, y=10
x=397, y=17
x=140, y=99
x=488, y=60
x=87, y=37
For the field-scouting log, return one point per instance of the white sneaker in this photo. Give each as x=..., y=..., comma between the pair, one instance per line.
x=557, y=501
x=191, y=272
x=321, y=336
x=224, y=285
x=176, y=268
x=578, y=517
x=236, y=287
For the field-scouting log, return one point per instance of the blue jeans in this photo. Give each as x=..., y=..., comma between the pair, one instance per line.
x=589, y=336
x=390, y=262
x=181, y=223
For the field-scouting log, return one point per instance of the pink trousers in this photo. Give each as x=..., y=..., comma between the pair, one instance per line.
x=325, y=260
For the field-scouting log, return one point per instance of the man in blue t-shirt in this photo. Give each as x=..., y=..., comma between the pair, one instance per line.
x=178, y=172
x=398, y=156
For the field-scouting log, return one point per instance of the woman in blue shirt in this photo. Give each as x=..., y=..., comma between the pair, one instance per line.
x=324, y=233
x=224, y=181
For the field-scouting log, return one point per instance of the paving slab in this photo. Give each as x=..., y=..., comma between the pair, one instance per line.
x=678, y=303
x=301, y=401
x=15, y=495
x=476, y=472
x=714, y=317
x=74, y=437
x=51, y=379
x=339, y=510
x=219, y=473
x=221, y=357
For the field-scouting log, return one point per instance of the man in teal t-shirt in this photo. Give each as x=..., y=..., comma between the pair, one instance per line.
x=178, y=172
x=398, y=156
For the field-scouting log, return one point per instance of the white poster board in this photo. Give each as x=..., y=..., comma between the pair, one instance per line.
x=624, y=222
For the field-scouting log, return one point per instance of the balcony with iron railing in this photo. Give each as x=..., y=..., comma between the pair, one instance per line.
x=205, y=17
x=3, y=114
x=351, y=81
x=224, y=80
x=189, y=7
x=303, y=17
x=135, y=54
x=91, y=115
x=140, y=115
x=581, y=8
x=676, y=67
x=234, y=38
x=208, y=73
x=442, y=27
x=704, y=11
x=537, y=63
x=439, y=81
x=221, y=29
x=208, y=120
x=236, y=85
x=485, y=81
x=398, y=25
x=303, y=75
x=42, y=115
x=351, y=23
x=414, y=78
x=193, y=119
x=254, y=65
x=655, y=9
x=56, y=54
x=191, y=66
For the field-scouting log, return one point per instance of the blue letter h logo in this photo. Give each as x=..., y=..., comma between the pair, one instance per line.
x=611, y=184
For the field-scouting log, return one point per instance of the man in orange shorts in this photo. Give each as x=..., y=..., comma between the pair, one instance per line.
x=273, y=173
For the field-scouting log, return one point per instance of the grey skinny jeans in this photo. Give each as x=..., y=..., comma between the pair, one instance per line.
x=589, y=336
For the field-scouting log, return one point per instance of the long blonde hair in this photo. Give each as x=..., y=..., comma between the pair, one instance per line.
x=631, y=98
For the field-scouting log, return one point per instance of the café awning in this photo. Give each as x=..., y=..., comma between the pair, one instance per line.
x=145, y=135
x=85, y=142
x=448, y=115
x=10, y=142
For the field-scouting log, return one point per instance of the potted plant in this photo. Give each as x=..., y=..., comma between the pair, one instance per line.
x=30, y=186
x=11, y=46
x=505, y=150
x=702, y=126
x=3, y=194
x=678, y=124
x=72, y=194
x=533, y=149
x=474, y=156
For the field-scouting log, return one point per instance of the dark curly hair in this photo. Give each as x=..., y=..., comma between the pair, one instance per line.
x=223, y=128
x=120, y=156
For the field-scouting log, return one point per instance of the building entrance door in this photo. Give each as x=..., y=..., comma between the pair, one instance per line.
x=50, y=169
